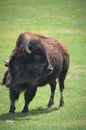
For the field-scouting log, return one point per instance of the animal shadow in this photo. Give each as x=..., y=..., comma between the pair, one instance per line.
x=20, y=116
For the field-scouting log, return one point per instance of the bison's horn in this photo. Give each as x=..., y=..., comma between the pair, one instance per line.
x=6, y=63
x=27, y=49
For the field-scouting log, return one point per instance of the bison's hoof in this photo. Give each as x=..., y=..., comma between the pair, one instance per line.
x=25, y=111
x=49, y=105
x=11, y=112
x=12, y=109
x=61, y=104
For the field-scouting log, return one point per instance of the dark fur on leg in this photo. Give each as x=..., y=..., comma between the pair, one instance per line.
x=51, y=100
x=29, y=95
x=14, y=94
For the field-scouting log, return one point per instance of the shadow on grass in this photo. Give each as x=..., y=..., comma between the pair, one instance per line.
x=21, y=116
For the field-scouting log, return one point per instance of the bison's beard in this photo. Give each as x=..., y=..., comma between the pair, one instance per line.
x=29, y=72
x=29, y=69
x=32, y=78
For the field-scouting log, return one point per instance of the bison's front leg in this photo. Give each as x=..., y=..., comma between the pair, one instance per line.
x=29, y=95
x=14, y=94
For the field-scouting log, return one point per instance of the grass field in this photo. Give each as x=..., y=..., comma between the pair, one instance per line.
x=61, y=19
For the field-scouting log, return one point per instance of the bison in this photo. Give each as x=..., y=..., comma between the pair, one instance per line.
x=36, y=61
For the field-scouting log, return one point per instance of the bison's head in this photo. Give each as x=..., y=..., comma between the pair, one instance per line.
x=35, y=48
x=32, y=67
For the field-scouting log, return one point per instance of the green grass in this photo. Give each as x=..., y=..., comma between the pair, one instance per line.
x=61, y=19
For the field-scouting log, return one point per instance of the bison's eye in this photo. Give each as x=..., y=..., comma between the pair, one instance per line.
x=37, y=58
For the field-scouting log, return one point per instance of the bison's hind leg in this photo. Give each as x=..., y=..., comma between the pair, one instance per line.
x=51, y=100
x=61, y=84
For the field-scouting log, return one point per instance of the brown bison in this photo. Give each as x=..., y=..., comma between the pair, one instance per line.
x=36, y=61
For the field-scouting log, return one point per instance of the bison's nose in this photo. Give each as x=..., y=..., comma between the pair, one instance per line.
x=50, y=69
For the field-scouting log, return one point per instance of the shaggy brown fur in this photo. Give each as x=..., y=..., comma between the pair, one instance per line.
x=58, y=57
x=56, y=51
